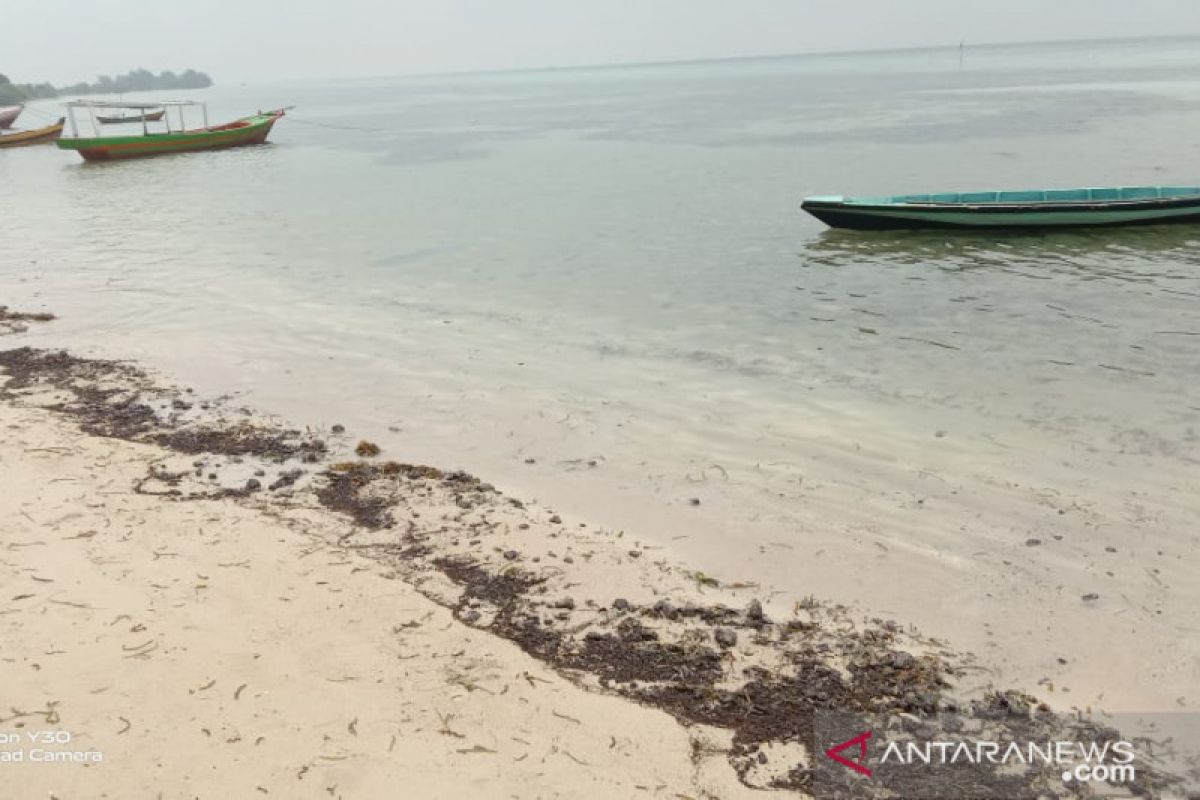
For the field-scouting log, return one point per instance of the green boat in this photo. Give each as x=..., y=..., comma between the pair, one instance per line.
x=170, y=137
x=1036, y=209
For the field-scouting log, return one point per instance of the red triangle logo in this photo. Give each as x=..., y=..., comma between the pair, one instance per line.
x=859, y=741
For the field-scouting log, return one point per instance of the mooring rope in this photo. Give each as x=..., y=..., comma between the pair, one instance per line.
x=332, y=126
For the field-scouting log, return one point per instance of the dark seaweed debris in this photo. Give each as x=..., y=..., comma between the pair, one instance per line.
x=681, y=678
x=241, y=439
x=823, y=672
x=117, y=400
x=14, y=321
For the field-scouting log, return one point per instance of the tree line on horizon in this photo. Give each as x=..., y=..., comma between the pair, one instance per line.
x=138, y=80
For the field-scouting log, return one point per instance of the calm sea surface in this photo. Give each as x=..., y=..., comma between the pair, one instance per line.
x=606, y=270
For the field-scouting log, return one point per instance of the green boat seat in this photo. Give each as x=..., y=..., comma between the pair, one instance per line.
x=1141, y=193
x=1067, y=195
x=1022, y=197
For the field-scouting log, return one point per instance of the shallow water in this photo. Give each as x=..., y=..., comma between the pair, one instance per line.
x=606, y=271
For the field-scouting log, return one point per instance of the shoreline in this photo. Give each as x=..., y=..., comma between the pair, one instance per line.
x=862, y=504
x=617, y=617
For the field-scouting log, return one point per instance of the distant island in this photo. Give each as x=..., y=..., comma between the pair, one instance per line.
x=138, y=80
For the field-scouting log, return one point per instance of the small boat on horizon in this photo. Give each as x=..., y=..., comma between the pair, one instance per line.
x=9, y=114
x=35, y=136
x=176, y=138
x=1019, y=210
x=149, y=116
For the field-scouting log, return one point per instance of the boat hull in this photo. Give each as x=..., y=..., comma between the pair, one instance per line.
x=8, y=115
x=1001, y=216
x=36, y=136
x=248, y=131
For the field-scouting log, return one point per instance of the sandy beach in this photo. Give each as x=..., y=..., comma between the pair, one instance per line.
x=205, y=601
x=205, y=650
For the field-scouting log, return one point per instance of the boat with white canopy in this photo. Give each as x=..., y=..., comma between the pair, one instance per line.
x=168, y=134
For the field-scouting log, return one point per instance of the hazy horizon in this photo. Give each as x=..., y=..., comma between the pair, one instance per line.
x=302, y=39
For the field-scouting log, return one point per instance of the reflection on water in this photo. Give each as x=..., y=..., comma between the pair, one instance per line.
x=1098, y=300
x=1117, y=253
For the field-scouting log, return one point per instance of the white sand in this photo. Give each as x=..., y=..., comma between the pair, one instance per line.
x=207, y=651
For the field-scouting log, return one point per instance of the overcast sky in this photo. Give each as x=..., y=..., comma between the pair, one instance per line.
x=69, y=40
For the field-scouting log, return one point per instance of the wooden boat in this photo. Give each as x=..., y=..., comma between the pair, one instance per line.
x=149, y=116
x=249, y=130
x=8, y=115
x=1053, y=208
x=35, y=136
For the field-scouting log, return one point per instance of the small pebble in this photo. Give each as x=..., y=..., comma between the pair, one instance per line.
x=1090, y=597
x=531, y=461
x=511, y=555
x=1032, y=542
x=338, y=429
x=566, y=602
x=694, y=501
x=556, y=519
x=725, y=637
x=621, y=604
x=253, y=485
x=755, y=611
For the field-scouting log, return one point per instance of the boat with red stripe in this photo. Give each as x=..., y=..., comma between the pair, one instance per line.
x=172, y=136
